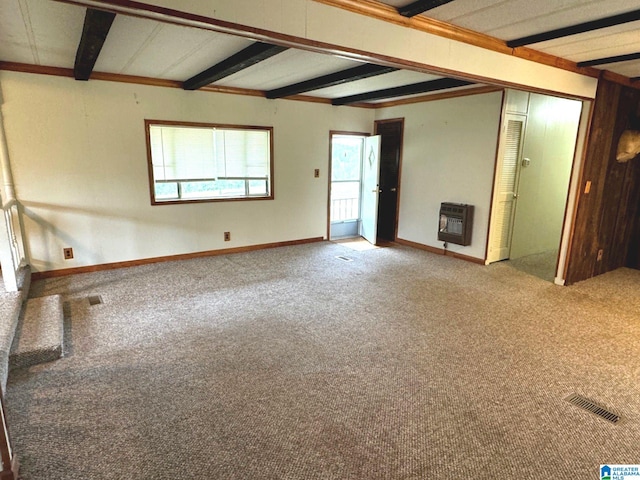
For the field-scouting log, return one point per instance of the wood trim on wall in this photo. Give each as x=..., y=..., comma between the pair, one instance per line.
x=158, y=82
x=39, y=69
x=440, y=251
x=439, y=96
x=171, y=258
x=117, y=77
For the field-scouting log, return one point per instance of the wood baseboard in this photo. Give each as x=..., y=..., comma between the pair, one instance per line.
x=440, y=251
x=185, y=256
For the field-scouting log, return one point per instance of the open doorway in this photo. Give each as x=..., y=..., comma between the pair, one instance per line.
x=346, y=185
x=354, y=170
x=535, y=157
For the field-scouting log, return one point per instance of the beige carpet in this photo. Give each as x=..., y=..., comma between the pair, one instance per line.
x=541, y=265
x=356, y=243
x=292, y=364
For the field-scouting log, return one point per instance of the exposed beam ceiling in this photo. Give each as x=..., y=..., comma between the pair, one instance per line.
x=94, y=33
x=415, y=88
x=575, y=29
x=138, y=45
x=420, y=6
x=251, y=55
x=606, y=60
x=350, y=75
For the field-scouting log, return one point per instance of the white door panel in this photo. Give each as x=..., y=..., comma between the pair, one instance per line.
x=370, y=188
x=506, y=187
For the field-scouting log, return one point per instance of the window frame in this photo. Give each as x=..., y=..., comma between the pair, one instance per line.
x=152, y=191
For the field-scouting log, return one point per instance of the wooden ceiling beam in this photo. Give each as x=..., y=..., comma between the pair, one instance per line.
x=254, y=53
x=576, y=29
x=420, y=6
x=607, y=60
x=94, y=33
x=415, y=88
x=338, y=78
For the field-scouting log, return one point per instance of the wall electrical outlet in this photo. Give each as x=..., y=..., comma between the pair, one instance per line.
x=227, y=236
x=68, y=253
x=316, y=173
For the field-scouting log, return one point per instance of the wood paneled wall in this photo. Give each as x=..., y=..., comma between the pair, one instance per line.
x=607, y=216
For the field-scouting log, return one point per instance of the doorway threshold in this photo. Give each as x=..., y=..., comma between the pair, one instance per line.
x=356, y=243
x=541, y=265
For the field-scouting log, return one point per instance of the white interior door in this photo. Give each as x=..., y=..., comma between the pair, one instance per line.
x=370, y=188
x=506, y=187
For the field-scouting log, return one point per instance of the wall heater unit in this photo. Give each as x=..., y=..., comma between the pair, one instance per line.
x=456, y=220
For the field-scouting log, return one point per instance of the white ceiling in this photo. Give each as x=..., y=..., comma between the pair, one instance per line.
x=286, y=68
x=607, y=42
x=511, y=19
x=147, y=48
x=47, y=33
x=388, y=80
x=39, y=32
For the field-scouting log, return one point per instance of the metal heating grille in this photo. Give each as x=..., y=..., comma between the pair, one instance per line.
x=95, y=300
x=588, y=405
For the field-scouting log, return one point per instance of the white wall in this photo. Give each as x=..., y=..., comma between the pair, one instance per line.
x=79, y=161
x=449, y=156
x=549, y=143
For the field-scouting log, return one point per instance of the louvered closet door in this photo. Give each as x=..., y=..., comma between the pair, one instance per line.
x=506, y=187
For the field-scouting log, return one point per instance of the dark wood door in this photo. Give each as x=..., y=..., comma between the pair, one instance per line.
x=390, y=162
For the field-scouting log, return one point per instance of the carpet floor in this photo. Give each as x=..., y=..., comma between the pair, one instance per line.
x=291, y=363
x=541, y=265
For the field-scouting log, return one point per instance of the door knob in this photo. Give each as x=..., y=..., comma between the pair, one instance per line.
x=376, y=190
x=394, y=189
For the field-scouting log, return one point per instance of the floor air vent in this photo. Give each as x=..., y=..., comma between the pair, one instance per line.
x=589, y=406
x=95, y=300
x=344, y=259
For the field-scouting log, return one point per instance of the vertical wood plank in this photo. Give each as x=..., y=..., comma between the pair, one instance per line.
x=607, y=216
x=584, y=249
x=616, y=187
x=632, y=222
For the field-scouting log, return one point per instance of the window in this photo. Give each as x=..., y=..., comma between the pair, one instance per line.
x=194, y=162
